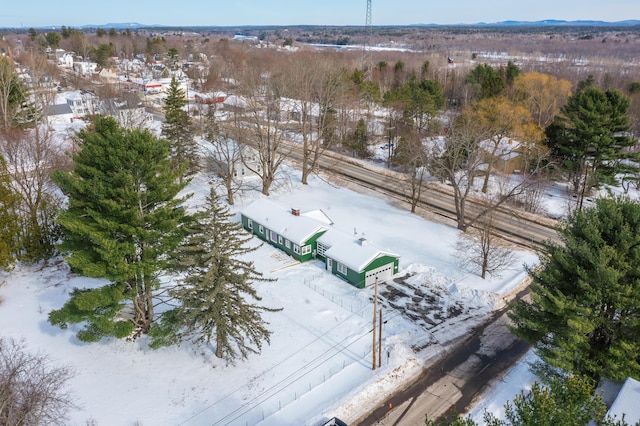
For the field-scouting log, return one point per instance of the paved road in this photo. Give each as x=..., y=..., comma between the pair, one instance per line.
x=455, y=379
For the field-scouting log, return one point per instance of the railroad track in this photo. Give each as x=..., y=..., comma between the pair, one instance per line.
x=518, y=227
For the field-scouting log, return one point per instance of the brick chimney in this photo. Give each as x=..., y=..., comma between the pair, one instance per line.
x=295, y=212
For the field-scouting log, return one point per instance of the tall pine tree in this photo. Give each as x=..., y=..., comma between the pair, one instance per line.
x=584, y=313
x=591, y=136
x=177, y=128
x=213, y=296
x=121, y=224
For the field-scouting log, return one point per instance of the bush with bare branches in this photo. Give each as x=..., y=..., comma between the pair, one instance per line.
x=32, y=389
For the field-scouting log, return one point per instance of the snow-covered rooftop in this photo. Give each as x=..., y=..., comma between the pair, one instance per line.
x=354, y=252
x=280, y=219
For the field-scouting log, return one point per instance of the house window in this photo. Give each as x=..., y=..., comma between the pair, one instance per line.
x=261, y=229
x=296, y=248
x=306, y=249
x=287, y=244
x=274, y=236
x=249, y=223
x=280, y=239
x=341, y=268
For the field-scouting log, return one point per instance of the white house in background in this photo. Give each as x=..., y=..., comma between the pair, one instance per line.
x=235, y=103
x=85, y=68
x=246, y=160
x=64, y=59
x=292, y=109
x=58, y=114
x=83, y=103
x=129, y=113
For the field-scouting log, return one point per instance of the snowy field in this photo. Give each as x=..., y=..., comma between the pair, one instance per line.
x=318, y=364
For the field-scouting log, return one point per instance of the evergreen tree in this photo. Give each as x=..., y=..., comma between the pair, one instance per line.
x=591, y=137
x=121, y=224
x=213, y=295
x=13, y=93
x=358, y=141
x=563, y=401
x=419, y=101
x=8, y=218
x=177, y=128
x=489, y=81
x=584, y=313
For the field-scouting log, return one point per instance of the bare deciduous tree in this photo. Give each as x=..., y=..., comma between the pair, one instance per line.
x=412, y=156
x=264, y=126
x=480, y=249
x=315, y=89
x=32, y=389
x=462, y=159
x=31, y=157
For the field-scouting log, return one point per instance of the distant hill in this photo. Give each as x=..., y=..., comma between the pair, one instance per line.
x=546, y=23
x=504, y=24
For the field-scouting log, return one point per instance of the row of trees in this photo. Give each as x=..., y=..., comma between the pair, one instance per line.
x=126, y=223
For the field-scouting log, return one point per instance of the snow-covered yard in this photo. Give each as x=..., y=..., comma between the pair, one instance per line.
x=318, y=364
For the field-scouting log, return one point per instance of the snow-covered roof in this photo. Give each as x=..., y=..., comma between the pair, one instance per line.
x=295, y=105
x=78, y=95
x=627, y=402
x=354, y=252
x=319, y=216
x=236, y=101
x=276, y=217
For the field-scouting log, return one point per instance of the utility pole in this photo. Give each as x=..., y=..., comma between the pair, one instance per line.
x=375, y=313
x=380, y=341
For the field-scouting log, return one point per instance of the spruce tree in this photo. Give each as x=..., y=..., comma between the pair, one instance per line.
x=177, y=128
x=591, y=138
x=358, y=141
x=8, y=218
x=584, y=313
x=213, y=296
x=121, y=224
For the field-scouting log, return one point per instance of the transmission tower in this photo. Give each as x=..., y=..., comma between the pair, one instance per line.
x=366, y=53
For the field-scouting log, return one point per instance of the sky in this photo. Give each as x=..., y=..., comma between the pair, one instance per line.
x=75, y=13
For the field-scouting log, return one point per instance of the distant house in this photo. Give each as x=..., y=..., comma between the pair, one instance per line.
x=508, y=155
x=85, y=68
x=242, y=169
x=129, y=113
x=310, y=235
x=64, y=59
x=234, y=103
x=58, y=114
x=83, y=103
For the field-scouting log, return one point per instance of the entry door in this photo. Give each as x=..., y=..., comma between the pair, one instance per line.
x=329, y=264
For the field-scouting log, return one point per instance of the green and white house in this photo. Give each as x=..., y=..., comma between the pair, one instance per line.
x=311, y=235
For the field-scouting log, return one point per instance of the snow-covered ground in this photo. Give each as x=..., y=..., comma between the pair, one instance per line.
x=318, y=364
